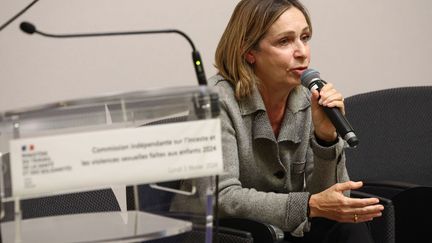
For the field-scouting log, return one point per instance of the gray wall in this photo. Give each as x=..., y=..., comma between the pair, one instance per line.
x=357, y=45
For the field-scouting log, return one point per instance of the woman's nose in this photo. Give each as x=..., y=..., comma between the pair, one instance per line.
x=300, y=49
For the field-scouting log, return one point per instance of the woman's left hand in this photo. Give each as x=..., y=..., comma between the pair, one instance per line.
x=328, y=97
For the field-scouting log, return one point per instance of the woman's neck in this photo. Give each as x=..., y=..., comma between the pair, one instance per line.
x=275, y=102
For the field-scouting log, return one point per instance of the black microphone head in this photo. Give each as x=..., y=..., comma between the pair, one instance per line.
x=27, y=27
x=308, y=76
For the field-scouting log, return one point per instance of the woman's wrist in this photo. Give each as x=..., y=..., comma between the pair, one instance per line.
x=311, y=211
x=328, y=141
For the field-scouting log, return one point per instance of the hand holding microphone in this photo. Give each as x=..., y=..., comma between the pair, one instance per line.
x=311, y=79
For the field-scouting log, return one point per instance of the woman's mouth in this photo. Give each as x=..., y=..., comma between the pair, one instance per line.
x=298, y=71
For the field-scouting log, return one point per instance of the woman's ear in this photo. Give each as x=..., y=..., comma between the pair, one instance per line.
x=250, y=58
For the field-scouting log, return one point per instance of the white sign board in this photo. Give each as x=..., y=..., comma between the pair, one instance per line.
x=124, y=156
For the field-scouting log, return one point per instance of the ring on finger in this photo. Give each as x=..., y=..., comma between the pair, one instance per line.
x=355, y=217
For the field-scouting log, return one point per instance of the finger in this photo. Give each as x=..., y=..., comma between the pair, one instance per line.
x=338, y=104
x=335, y=103
x=325, y=88
x=371, y=209
x=361, y=202
x=315, y=94
x=356, y=218
x=351, y=218
x=326, y=96
x=366, y=217
x=314, y=100
x=349, y=185
x=331, y=98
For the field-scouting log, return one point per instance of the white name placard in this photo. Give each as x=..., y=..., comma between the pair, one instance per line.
x=123, y=156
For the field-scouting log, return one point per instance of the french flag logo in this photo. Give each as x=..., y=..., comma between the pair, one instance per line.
x=27, y=148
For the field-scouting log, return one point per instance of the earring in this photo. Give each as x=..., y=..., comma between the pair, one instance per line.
x=250, y=59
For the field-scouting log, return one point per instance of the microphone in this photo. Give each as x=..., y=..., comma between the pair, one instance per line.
x=311, y=79
x=29, y=28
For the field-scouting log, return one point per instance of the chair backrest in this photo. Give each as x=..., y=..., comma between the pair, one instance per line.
x=381, y=228
x=159, y=201
x=395, y=131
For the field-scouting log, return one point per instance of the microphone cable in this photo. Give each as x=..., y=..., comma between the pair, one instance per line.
x=17, y=15
x=29, y=28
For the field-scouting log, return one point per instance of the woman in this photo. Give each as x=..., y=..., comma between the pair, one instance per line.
x=285, y=163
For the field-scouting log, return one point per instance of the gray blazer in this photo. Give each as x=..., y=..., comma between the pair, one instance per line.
x=269, y=179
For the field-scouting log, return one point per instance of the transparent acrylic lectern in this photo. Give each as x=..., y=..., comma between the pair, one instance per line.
x=107, y=169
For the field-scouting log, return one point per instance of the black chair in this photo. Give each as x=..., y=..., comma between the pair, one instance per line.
x=394, y=156
x=159, y=201
x=382, y=228
x=226, y=230
x=260, y=231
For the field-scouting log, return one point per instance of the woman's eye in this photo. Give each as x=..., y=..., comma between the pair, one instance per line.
x=306, y=38
x=284, y=41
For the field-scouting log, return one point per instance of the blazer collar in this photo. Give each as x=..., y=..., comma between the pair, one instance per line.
x=290, y=130
x=297, y=100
